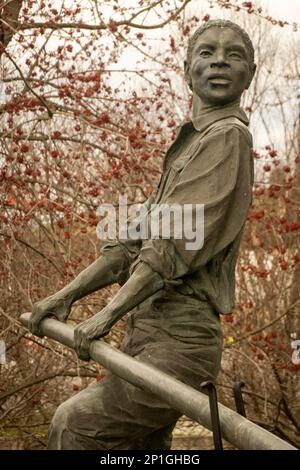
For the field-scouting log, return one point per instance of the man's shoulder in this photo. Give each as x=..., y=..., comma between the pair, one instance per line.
x=227, y=125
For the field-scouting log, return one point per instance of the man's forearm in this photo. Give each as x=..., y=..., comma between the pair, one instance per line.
x=106, y=270
x=143, y=283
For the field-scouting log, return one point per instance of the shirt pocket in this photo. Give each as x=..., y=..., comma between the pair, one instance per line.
x=176, y=168
x=181, y=161
x=178, y=165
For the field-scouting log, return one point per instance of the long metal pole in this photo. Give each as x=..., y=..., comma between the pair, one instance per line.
x=236, y=429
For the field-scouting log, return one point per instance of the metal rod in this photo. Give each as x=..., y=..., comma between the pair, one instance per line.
x=236, y=429
x=214, y=413
x=238, y=398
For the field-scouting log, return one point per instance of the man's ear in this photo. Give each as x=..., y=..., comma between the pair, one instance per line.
x=187, y=75
x=252, y=73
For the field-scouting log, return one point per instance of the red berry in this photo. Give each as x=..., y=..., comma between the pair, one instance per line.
x=267, y=167
x=54, y=153
x=24, y=148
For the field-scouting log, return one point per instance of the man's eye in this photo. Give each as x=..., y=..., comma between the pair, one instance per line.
x=235, y=55
x=205, y=53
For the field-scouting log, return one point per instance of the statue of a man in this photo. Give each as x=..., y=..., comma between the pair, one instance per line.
x=174, y=295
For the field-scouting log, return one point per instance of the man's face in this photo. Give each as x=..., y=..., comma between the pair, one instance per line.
x=219, y=68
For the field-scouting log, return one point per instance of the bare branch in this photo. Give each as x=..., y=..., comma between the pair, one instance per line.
x=9, y=13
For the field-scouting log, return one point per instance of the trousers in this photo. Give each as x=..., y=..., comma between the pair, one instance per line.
x=178, y=334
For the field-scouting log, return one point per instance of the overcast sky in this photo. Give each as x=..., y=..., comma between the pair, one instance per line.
x=288, y=10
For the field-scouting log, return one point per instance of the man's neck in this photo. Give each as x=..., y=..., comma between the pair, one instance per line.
x=200, y=107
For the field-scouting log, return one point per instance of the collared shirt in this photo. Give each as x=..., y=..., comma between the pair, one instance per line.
x=209, y=163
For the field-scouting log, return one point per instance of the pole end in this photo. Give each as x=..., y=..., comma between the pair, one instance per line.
x=24, y=318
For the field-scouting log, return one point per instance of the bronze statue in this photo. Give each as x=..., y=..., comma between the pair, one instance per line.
x=174, y=296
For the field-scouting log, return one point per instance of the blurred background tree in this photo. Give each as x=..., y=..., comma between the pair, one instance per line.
x=91, y=95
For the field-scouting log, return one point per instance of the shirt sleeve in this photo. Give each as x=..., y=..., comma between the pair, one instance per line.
x=126, y=250
x=219, y=176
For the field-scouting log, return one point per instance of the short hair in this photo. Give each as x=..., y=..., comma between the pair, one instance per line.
x=220, y=24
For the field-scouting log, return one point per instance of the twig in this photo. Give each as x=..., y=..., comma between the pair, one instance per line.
x=50, y=113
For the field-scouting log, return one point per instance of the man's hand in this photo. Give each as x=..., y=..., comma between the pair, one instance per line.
x=141, y=284
x=103, y=272
x=59, y=307
x=93, y=328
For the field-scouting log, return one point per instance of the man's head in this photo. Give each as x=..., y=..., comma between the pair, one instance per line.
x=220, y=62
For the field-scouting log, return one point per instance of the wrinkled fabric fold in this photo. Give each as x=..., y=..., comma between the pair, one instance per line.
x=209, y=163
x=179, y=335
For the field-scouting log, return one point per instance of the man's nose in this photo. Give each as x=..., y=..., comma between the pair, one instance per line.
x=219, y=59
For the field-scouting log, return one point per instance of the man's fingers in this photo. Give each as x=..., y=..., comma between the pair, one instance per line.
x=34, y=325
x=83, y=355
x=84, y=350
x=81, y=345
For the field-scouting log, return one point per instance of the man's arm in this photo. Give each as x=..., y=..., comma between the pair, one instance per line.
x=109, y=268
x=142, y=284
x=224, y=187
x=219, y=176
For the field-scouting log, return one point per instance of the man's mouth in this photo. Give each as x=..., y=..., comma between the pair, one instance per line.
x=219, y=79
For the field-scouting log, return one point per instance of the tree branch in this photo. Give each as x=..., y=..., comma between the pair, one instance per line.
x=33, y=249
x=9, y=14
x=103, y=26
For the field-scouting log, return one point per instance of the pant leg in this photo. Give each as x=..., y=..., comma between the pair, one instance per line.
x=112, y=414
x=177, y=334
x=160, y=439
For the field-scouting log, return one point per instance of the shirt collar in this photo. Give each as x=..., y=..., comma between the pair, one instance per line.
x=203, y=119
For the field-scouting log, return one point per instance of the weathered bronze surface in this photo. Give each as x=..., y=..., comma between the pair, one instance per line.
x=174, y=295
